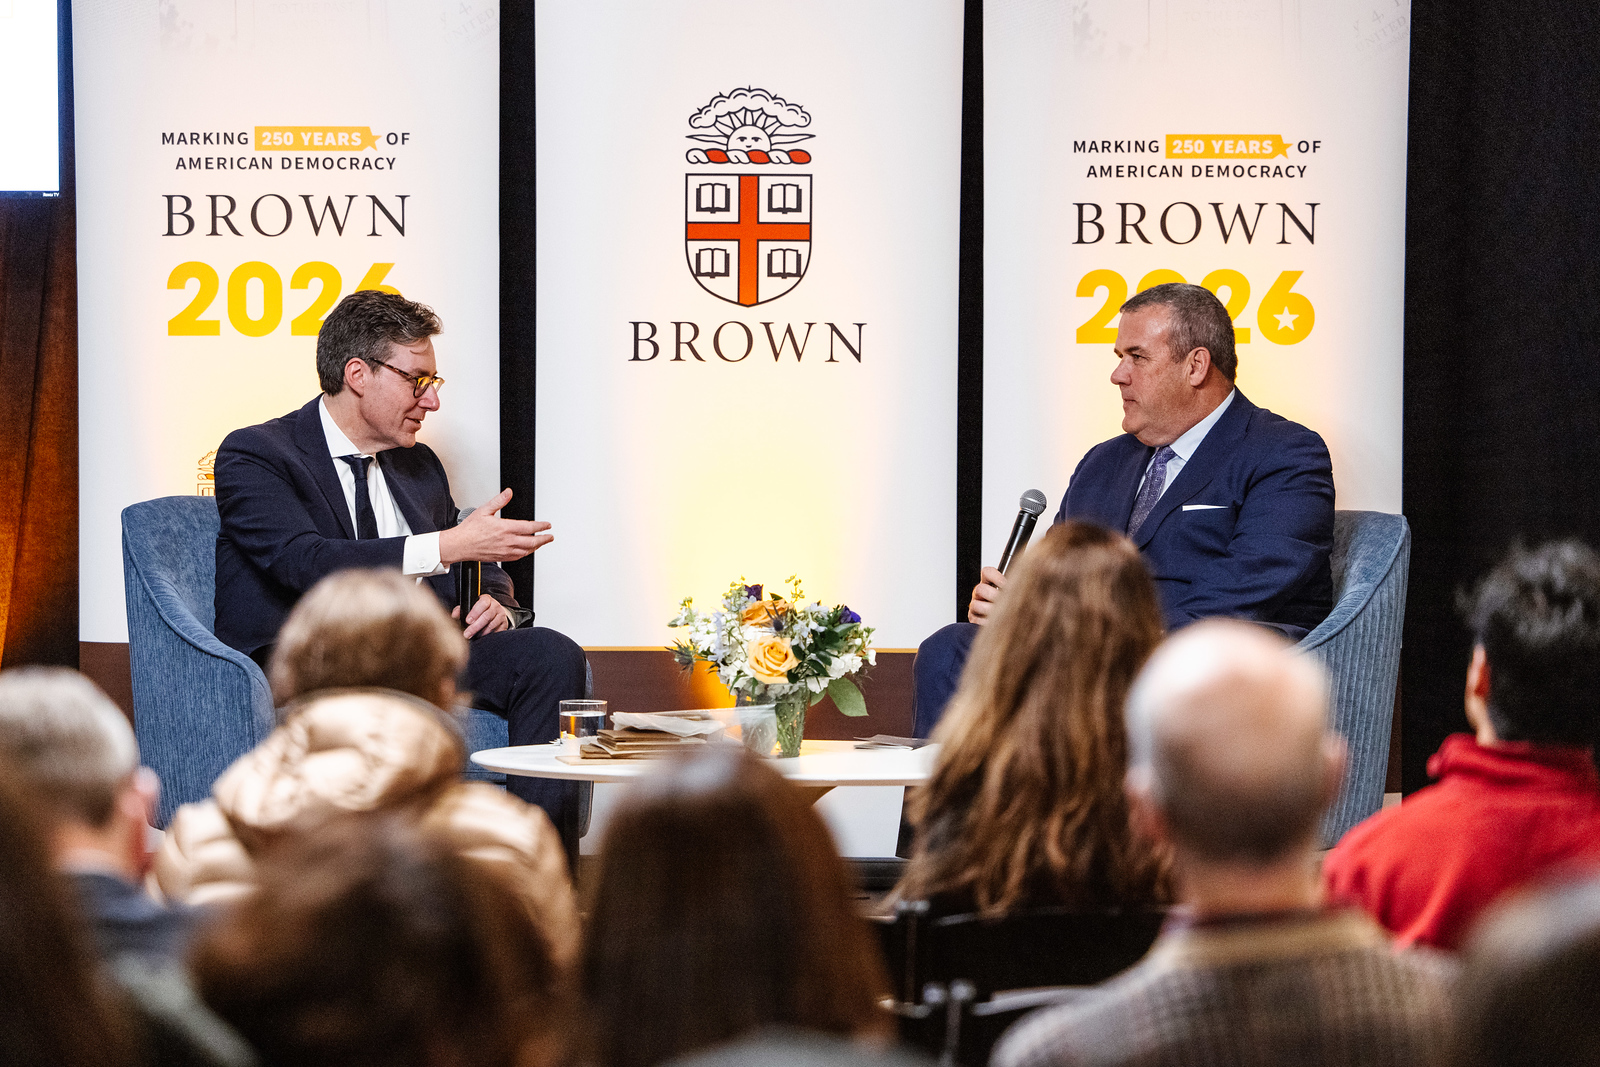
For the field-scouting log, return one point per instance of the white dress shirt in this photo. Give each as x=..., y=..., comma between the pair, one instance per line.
x=422, y=550
x=1184, y=446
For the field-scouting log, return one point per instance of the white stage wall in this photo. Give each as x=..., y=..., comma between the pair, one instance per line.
x=187, y=331
x=1098, y=104
x=667, y=470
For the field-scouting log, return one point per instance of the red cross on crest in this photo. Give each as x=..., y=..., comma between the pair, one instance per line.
x=748, y=236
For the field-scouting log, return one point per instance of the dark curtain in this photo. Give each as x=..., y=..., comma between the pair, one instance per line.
x=1502, y=348
x=38, y=433
x=39, y=427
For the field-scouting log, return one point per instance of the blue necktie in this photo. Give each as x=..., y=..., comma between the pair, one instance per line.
x=366, y=521
x=1149, y=492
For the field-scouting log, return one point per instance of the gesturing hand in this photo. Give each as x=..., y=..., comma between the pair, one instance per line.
x=984, y=595
x=485, y=536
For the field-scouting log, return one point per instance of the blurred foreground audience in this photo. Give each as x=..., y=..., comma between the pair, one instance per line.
x=1025, y=806
x=76, y=751
x=722, y=908
x=1521, y=798
x=1531, y=987
x=71, y=750
x=1232, y=764
x=341, y=751
x=55, y=1007
x=371, y=942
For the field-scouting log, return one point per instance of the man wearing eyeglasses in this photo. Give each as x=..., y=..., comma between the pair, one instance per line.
x=343, y=482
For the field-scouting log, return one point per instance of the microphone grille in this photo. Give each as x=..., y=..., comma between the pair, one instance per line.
x=1034, y=502
x=461, y=516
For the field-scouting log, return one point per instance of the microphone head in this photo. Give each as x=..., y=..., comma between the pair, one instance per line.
x=461, y=516
x=1034, y=503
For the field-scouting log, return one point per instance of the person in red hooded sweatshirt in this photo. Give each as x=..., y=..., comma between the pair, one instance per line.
x=1517, y=801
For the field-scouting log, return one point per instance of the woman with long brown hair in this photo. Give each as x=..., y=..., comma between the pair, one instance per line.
x=1025, y=805
x=722, y=908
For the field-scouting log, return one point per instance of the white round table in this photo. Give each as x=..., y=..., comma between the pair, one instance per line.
x=820, y=766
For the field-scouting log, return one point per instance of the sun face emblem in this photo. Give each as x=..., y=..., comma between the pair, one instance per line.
x=749, y=126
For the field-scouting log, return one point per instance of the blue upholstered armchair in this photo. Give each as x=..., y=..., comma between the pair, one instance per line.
x=198, y=705
x=1359, y=642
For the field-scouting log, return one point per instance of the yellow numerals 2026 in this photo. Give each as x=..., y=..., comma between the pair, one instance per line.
x=1285, y=317
x=188, y=323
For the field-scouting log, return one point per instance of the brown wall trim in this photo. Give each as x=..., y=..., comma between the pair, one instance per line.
x=636, y=680
x=105, y=663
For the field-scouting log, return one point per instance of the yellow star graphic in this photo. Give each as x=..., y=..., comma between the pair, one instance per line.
x=1286, y=319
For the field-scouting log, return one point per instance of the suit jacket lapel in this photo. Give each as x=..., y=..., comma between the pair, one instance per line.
x=404, y=494
x=313, y=442
x=1220, y=443
x=1130, y=473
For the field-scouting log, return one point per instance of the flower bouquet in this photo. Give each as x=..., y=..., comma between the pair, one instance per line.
x=779, y=649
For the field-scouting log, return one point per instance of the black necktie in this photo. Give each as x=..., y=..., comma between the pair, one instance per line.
x=366, y=521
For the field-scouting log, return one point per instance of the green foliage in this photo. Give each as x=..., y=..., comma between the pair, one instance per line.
x=847, y=698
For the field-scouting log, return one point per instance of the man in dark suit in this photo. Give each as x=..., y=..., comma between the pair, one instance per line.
x=77, y=754
x=1231, y=505
x=343, y=482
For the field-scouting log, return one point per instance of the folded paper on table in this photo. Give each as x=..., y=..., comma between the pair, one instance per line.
x=699, y=722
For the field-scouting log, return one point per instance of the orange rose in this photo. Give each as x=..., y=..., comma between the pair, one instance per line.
x=762, y=612
x=771, y=659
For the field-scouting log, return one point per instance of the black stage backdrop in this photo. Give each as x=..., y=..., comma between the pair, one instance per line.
x=1502, y=379
x=518, y=273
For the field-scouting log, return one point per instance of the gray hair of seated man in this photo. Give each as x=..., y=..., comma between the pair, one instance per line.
x=66, y=736
x=1228, y=736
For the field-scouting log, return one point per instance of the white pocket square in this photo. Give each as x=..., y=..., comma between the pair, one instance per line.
x=1204, y=507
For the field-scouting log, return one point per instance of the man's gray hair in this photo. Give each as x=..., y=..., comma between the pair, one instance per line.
x=1228, y=734
x=1199, y=320
x=68, y=740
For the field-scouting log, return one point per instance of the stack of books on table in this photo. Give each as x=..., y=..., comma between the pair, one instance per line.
x=628, y=743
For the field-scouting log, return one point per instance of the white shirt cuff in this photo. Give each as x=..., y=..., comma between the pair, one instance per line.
x=422, y=555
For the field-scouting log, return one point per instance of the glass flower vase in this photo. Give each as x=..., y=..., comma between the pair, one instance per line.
x=791, y=714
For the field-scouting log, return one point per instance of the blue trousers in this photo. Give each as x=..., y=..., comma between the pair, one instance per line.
x=524, y=675
x=936, y=672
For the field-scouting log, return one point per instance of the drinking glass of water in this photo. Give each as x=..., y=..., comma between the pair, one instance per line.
x=580, y=719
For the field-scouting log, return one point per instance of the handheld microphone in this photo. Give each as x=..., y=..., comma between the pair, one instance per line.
x=1031, y=506
x=469, y=580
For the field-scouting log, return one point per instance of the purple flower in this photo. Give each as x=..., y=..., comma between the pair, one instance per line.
x=847, y=616
x=753, y=592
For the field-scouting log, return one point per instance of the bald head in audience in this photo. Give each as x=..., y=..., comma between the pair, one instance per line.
x=1232, y=763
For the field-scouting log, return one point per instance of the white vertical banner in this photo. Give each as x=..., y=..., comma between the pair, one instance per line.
x=1256, y=147
x=748, y=235
x=241, y=165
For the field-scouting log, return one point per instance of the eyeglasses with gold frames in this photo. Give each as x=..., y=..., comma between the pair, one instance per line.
x=419, y=382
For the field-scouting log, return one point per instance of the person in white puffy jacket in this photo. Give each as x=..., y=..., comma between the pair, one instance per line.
x=366, y=665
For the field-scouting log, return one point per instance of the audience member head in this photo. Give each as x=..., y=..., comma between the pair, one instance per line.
x=54, y=1007
x=362, y=326
x=368, y=942
x=1536, y=668
x=77, y=752
x=1531, y=985
x=1025, y=805
x=368, y=628
x=1197, y=320
x=721, y=907
x=1231, y=757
